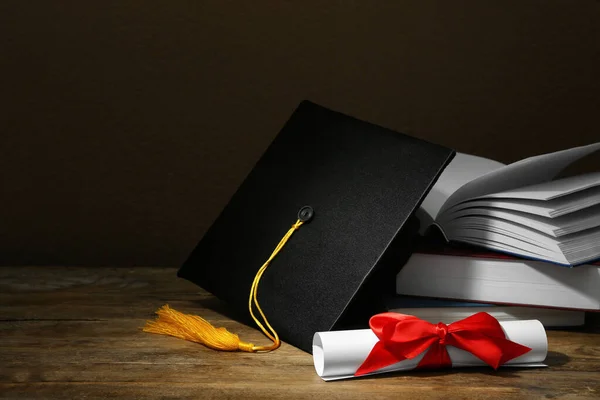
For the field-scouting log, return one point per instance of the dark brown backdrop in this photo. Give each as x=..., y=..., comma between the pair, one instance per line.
x=126, y=125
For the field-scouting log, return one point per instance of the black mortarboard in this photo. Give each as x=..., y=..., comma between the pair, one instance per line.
x=363, y=183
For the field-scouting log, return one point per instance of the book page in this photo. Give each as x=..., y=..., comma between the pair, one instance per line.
x=532, y=170
x=462, y=169
x=521, y=241
x=546, y=208
x=553, y=189
x=555, y=227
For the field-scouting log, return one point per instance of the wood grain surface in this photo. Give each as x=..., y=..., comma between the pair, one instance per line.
x=75, y=333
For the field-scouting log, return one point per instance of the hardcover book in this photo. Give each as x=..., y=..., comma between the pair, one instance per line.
x=520, y=208
x=468, y=274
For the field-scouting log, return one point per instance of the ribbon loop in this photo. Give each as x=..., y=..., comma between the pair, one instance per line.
x=404, y=337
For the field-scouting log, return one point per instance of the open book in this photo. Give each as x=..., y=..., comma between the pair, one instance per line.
x=519, y=208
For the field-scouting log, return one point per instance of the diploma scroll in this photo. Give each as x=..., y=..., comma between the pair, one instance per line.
x=338, y=354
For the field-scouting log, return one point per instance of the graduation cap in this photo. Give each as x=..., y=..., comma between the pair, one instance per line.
x=338, y=195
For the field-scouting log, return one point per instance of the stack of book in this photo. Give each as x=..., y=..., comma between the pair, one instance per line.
x=518, y=242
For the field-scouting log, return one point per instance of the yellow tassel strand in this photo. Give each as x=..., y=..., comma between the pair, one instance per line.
x=252, y=299
x=193, y=328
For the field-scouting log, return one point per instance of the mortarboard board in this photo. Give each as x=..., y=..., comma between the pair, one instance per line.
x=359, y=184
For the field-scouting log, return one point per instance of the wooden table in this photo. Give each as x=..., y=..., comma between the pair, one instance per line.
x=68, y=332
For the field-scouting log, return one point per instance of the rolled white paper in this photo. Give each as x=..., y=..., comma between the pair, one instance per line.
x=338, y=354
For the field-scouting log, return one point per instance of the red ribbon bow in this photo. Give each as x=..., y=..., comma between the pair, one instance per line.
x=404, y=337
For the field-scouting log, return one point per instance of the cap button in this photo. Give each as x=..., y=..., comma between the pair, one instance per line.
x=306, y=213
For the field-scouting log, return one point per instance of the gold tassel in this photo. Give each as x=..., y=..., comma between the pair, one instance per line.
x=196, y=329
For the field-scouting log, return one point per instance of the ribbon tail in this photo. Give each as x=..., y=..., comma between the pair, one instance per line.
x=378, y=358
x=436, y=357
x=512, y=350
x=493, y=351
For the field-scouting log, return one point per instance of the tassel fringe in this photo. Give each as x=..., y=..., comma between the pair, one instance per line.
x=196, y=329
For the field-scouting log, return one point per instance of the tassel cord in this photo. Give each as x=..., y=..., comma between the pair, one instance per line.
x=253, y=300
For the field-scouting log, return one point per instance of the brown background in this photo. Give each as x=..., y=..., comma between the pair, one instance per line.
x=125, y=126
